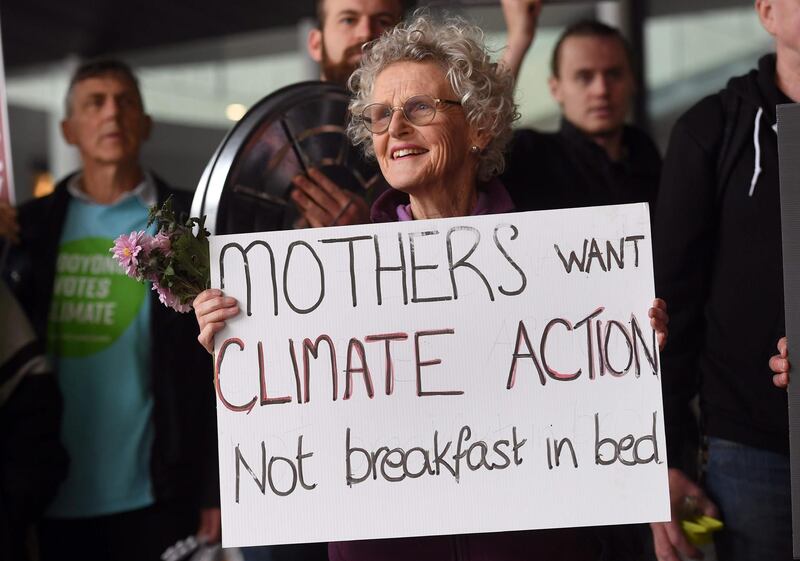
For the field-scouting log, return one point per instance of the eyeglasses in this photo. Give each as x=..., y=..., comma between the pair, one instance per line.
x=418, y=110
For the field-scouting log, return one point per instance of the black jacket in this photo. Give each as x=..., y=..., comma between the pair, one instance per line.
x=184, y=456
x=717, y=248
x=32, y=460
x=566, y=169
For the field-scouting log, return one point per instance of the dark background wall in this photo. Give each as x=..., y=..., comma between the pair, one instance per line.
x=179, y=153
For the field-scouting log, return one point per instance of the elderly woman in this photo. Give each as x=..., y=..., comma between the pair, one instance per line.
x=436, y=113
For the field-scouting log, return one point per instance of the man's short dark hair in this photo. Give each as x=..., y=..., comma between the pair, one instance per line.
x=99, y=68
x=319, y=9
x=589, y=28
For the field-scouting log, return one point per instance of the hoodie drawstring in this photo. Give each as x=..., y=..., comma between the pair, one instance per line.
x=757, y=145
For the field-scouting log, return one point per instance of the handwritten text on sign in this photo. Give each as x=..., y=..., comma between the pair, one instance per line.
x=434, y=377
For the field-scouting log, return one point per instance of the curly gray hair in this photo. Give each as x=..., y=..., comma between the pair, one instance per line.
x=485, y=89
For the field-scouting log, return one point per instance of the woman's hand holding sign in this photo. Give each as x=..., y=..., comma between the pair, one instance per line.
x=659, y=320
x=212, y=308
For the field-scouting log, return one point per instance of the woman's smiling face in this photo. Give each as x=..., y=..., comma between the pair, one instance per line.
x=420, y=159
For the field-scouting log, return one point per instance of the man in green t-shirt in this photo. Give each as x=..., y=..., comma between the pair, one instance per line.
x=139, y=422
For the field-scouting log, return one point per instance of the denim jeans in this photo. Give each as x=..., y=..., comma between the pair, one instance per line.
x=295, y=552
x=751, y=487
x=261, y=553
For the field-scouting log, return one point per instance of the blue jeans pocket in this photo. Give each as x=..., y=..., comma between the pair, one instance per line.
x=751, y=487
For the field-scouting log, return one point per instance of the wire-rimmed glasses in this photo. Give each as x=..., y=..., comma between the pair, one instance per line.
x=418, y=110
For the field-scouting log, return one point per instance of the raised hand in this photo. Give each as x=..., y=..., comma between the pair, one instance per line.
x=522, y=17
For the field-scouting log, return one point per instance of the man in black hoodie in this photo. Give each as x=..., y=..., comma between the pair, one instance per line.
x=717, y=245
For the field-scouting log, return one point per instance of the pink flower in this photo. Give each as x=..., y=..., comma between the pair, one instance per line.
x=166, y=297
x=128, y=250
x=160, y=242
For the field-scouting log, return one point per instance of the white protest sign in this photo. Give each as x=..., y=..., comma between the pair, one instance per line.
x=447, y=376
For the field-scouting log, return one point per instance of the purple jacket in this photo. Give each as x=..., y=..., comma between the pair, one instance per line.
x=572, y=544
x=393, y=205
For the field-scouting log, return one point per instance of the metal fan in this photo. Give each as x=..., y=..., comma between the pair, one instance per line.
x=246, y=185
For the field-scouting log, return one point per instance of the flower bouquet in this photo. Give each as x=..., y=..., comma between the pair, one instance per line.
x=175, y=260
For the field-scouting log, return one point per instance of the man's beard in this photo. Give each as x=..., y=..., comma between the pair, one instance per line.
x=339, y=72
